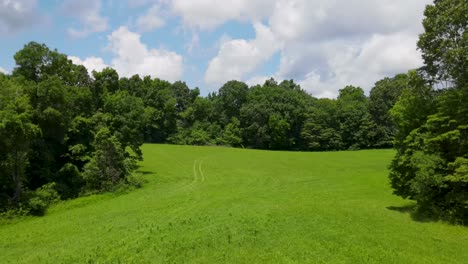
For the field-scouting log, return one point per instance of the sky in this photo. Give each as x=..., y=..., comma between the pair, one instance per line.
x=323, y=45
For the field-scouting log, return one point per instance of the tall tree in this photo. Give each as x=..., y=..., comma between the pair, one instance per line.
x=444, y=43
x=356, y=126
x=431, y=163
x=108, y=165
x=37, y=62
x=382, y=98
x=321, y=130
x=16, y=134
x=231, y=96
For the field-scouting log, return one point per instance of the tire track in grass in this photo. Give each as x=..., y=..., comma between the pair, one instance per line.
x=181, y=166
x=190, y=191
x=200, y=170
x=193, y=194
x=181, y=190
x=188, y=204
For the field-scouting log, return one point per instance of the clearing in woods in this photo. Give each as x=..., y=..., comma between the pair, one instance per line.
x=223, y=205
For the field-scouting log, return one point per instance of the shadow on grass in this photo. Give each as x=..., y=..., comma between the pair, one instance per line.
x=145, y=172
x=415, y=213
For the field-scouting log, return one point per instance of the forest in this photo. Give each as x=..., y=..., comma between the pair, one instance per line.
x=65, y=132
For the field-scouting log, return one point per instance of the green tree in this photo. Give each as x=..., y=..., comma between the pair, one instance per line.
x=37, y=62
x=183, y=95
x=356, y=126
x=430, y=165
x=108, y=165
x=232, y=134
x=16, y=134
x=444, y=43
x=105, y=81
x=230, y=99
x=273, y=116
x=382, y=98
x=126, y=119
x=321, y=130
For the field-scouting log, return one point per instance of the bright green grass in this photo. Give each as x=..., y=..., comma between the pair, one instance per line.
x=221, y=205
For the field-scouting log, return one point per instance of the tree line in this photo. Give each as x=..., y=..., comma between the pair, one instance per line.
x=65, y=133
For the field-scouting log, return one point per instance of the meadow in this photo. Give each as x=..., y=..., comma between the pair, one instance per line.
x=225, y=205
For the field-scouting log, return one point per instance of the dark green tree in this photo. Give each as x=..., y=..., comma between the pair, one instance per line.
x=108, y=165
x=382, y=98
x=430, y=165
x=356, y=126
x=444, y=43
x=17, y=132
x=321, y=130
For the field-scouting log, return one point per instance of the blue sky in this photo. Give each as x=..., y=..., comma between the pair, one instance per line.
x=321, y=44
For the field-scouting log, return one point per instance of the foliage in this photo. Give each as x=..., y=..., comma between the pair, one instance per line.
x=108, y=165
x=432, y=138
x=60, y=125
x=444, y=44
x=321, y=127
x=356, y=126
x=42, y=198
x=382, y=98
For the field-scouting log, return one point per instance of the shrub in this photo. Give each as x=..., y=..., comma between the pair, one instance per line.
x=42, y=198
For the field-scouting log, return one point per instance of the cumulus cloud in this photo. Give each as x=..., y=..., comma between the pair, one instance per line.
x=88, y=13
x=134, y=57
x=207, y=14
x=324, y=44
x=91, y=63
x=151, y=20
x=331, y=44
x=239, y=57
x=328, y=44
x=16, y=15
x=361, y=64
x=3, y=70
x=131, y=56
x=318, y=20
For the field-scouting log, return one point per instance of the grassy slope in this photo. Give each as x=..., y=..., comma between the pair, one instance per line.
x=215, y=205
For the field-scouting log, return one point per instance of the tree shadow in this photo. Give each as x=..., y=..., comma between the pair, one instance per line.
x=142, y=172
x=415, y=213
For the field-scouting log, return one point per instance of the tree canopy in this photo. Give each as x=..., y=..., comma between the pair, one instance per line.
x=66, y=133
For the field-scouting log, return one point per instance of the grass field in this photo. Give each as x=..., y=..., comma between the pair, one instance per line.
x=221, y=205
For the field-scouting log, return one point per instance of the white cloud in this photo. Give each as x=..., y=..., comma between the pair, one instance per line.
x=258, y=79
x=16, y=15
x=239, y=57
x=325, y=44
x=331, y=44
x=151, y=20
x=87, y=11
x=91, y=63
x=362, y=64
x=3, y=70
x=132, y=57
x=318, y=20
x=208, y=14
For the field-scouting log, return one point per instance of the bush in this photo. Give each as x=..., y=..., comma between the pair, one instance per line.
x=42, y=198
x=37, y=206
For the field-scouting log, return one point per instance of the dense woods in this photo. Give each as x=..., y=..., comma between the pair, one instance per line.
x=66, y=133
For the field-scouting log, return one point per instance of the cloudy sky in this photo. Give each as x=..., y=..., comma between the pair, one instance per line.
x=322, y=44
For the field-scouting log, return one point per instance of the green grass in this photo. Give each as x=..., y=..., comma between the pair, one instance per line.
x=221, y=205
